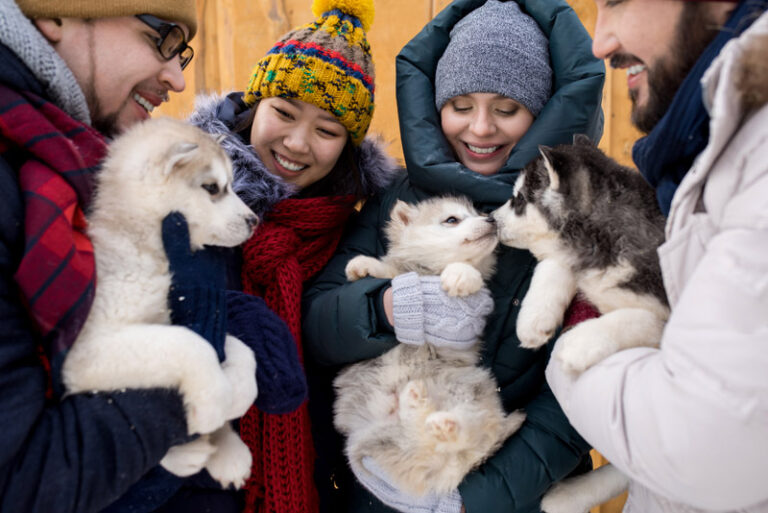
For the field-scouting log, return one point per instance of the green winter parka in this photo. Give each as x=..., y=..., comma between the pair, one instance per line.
x=344, y=321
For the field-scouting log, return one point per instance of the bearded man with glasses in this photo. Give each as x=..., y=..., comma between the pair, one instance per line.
x=73, y=74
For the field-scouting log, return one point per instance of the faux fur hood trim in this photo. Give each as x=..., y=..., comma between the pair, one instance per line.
x=258, y=188
x=752, y=80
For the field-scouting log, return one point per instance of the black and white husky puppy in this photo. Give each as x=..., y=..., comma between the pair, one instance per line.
x=594, y=226
x=426, y=414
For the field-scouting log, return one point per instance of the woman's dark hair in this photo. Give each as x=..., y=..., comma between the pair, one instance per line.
x=343, y=179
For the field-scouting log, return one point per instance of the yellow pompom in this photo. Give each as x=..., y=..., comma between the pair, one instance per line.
x=360, y=9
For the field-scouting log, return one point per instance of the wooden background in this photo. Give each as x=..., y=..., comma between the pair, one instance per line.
x=234, y=34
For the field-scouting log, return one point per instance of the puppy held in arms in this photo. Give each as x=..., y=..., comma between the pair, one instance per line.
x=157, y=167
x=594, y=226
x=427, y=415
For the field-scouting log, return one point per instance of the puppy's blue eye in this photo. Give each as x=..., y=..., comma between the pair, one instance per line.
x=451, y=220
x=211, y=188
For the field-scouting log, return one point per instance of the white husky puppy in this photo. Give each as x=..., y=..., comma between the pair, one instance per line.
x=594, y=226
x=157, y=167
x=427, y=415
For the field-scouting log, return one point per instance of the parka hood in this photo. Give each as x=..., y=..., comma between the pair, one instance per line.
x=573, y=108
x=219, y=115
x=752, y=79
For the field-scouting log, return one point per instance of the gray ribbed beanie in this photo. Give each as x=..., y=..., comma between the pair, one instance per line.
x=496, y=49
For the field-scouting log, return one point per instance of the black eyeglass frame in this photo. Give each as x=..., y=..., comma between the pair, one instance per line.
x=167, y=29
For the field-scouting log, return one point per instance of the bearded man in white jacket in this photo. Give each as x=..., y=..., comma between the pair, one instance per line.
x=688, y=422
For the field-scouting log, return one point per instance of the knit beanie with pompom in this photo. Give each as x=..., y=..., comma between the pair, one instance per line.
x=326, y=63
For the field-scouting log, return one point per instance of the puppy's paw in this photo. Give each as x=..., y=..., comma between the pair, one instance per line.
x=443, y=426
x=240, y=370
x=414, y=394
x=207, y=401
x=460, y=279
x=360, y=267
x=189, y=458
x=536, y=323
x=231, y=463
x=583, y=346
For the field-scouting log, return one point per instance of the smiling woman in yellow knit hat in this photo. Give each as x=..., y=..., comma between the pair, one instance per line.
x=326, y=63
x=301, y=161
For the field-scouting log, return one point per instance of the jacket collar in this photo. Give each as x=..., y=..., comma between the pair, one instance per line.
x=730, y=79
x=574, y=107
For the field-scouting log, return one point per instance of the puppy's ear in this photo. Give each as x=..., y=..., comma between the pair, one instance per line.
x=179, y=155
x=549, y=164
x=402, y=213
x=582, y=140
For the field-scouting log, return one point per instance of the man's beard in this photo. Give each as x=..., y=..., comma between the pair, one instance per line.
x=693, y=34
x=106, y=124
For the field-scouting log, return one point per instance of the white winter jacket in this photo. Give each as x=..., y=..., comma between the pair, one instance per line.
x=688, y=422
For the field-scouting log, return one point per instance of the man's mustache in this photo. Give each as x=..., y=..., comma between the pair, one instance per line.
x=623, y=60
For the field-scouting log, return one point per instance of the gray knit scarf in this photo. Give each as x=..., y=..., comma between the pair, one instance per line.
x=19, y=34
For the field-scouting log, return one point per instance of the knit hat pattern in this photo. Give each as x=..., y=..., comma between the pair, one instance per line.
x=180, y=11
x=496, y=49
x=326, y=63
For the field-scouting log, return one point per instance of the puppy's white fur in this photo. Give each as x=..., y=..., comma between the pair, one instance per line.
x=427, y=415
x=155, y=168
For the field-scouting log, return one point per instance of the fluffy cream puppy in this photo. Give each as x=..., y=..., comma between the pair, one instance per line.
x=155, y=168
x=427, y=415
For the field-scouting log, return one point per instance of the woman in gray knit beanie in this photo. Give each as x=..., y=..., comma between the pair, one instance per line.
x=477, y=93
x=492, y=81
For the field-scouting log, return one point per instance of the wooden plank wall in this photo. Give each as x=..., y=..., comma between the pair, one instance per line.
x=234, y=34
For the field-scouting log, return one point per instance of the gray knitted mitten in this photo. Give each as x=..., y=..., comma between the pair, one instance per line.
x=423, y=312
x=377, y=482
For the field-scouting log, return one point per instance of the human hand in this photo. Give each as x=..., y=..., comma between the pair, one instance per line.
x=373, y=477
x=424, y=312
x=198, y=279
x=280, y=377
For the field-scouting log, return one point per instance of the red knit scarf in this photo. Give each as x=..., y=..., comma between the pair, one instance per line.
x=57, y=273
x=296, y=240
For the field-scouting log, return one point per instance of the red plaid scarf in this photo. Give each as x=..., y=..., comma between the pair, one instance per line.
x=58, y=157
x=295, y=241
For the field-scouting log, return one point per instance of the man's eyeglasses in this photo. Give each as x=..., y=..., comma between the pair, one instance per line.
x=172, y=41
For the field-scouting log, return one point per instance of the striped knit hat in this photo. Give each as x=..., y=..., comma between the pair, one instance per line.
x=326, y=63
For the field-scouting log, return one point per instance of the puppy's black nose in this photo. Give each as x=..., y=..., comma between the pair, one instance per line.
x=490, y=219
x=252, y=221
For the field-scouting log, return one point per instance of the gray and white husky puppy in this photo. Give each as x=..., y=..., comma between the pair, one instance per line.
x=594, y=226
x=427, y=415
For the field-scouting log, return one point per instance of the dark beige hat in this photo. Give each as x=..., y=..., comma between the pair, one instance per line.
x=180, y=11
